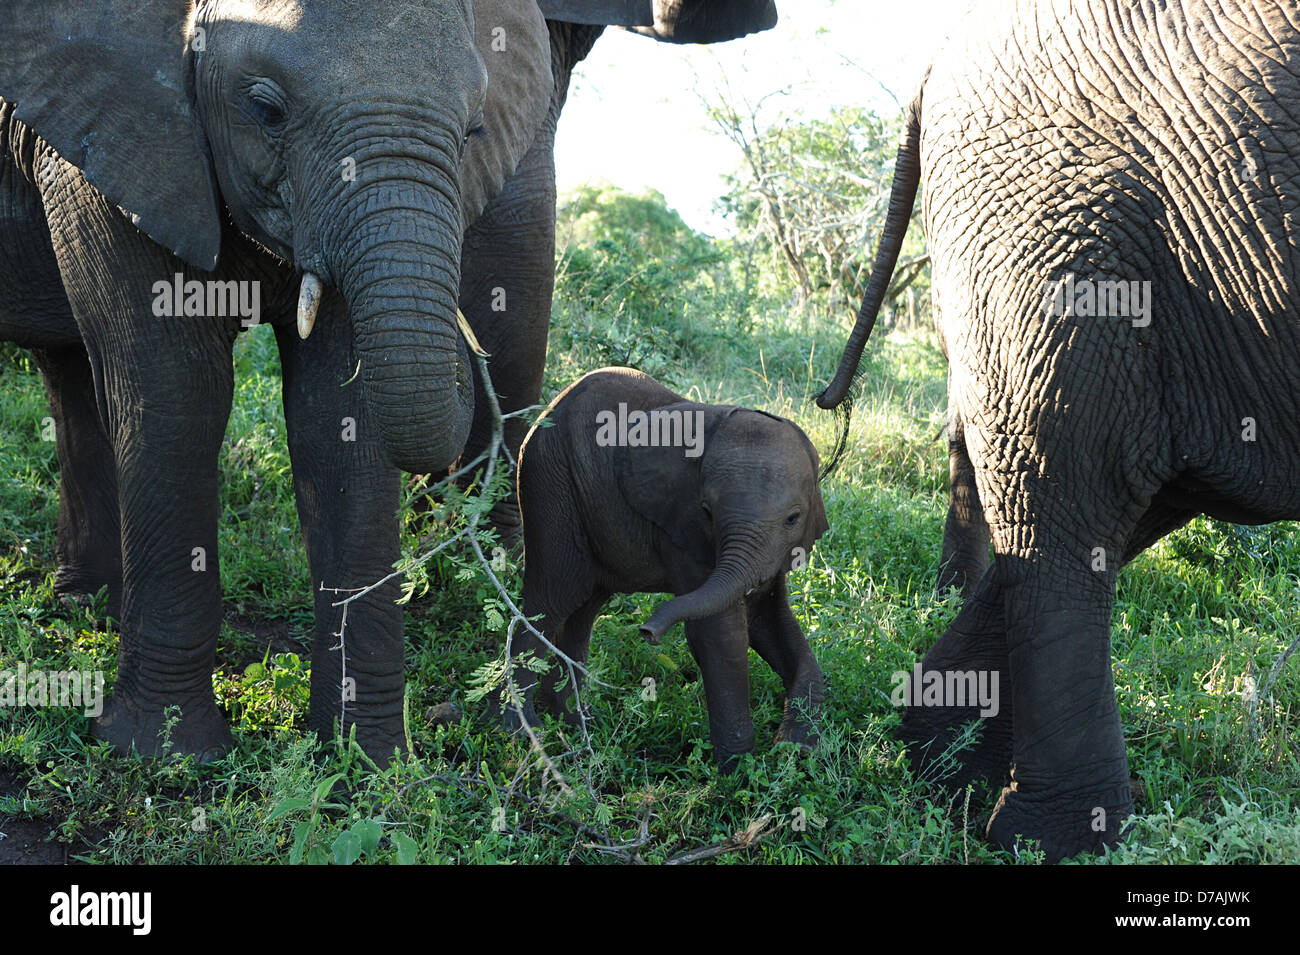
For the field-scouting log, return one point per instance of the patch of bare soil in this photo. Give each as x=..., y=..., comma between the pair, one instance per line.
x=31, y=841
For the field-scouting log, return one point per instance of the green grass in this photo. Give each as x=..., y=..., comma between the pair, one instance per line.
x=1199, y=620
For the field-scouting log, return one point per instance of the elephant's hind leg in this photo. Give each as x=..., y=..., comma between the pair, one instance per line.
x=556, y=690
x=975, y=642
x=1070, y=784
x=89, y=542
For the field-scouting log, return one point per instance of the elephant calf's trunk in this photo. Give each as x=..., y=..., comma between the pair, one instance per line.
x=726, y=587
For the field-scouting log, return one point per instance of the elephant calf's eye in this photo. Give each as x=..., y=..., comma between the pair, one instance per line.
x=792, y=520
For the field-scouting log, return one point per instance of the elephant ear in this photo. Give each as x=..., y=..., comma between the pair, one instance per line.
x=673, y=21
x=817, y=524
x=516, y=49
x=664, y=486
x=104, y=83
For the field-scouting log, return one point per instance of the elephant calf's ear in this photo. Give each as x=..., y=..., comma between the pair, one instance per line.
x=104, y=84
x=817, y=524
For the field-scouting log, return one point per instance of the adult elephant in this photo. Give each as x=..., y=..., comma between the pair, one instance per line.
x=1111, y=206
x=156, y=164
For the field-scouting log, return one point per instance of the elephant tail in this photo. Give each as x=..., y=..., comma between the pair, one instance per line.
x=902, y=198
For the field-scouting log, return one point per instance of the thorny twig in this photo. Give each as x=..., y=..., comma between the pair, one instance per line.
x=496, y=450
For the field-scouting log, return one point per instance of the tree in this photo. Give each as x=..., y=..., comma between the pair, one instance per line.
x=814, y=194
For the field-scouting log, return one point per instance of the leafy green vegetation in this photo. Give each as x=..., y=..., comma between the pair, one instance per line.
x=1199, y=621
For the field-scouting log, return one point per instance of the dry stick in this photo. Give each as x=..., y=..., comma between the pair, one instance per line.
x=1262, y=692
x=741, y=840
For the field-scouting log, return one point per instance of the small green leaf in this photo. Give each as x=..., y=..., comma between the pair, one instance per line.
x=368, y=832
x=326, y=785
x=289, y=805
x=300, y=834
x=407, y=848
x=347, y=848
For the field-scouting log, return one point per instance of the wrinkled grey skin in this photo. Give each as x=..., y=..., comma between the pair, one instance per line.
x=1053, y=142
x=225, y=138
x=512, y=247
x=229, y=178
x=721, y=529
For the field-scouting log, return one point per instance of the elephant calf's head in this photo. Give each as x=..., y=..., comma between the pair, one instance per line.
x=761, y=504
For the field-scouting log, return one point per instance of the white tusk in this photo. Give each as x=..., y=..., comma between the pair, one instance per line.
x=308, y=302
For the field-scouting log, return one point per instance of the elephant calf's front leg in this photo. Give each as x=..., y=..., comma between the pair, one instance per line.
x=720, y=645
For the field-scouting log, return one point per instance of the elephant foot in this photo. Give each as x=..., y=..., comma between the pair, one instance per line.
x=1061, y=825
x=84, y=586
x=942, y=747
x=196, y=729
x=513, y=718
x=796, y=729
x=727, y=762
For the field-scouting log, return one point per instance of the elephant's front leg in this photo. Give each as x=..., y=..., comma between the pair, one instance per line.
x=89, y=547
x=507, y=280
x=720, y=645
x=164, y=386
x=347, y=494
x=776, y=636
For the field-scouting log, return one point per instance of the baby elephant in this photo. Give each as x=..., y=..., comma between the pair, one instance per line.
x=633, y=489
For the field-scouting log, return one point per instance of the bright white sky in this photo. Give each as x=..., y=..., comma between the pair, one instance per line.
x=634, y=115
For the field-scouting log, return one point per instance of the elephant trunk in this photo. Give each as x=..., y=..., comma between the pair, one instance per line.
x=902, y=197
x=741, y=566
x=399, y=272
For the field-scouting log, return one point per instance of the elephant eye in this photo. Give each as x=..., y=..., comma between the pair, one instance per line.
x=265, y=107
x=475, y=130
x=792, y=520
